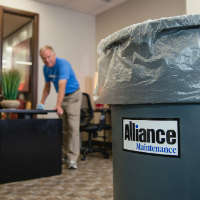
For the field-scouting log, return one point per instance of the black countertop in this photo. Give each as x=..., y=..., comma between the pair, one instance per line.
x=26, y=114
x=23, y=111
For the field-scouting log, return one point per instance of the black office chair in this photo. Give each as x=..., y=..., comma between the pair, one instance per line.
x=85, y=126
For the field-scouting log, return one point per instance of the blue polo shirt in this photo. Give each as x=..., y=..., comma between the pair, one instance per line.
x=61, y=70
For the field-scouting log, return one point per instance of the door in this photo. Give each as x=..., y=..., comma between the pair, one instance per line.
x=19, y=49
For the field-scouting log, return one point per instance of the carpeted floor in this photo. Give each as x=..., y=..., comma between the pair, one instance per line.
x=93, y=180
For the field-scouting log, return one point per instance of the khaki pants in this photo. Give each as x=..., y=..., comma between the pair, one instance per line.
x=71, y=121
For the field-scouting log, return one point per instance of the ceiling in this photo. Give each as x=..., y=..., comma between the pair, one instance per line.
x=91, y=7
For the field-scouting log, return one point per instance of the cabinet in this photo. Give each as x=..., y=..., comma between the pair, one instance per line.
x=30, y=148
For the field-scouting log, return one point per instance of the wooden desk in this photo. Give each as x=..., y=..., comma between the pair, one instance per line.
x=29, y=148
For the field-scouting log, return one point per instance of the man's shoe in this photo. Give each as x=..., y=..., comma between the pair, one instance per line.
x=72, y=165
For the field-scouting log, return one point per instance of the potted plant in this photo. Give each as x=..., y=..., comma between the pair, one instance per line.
x=10, y=80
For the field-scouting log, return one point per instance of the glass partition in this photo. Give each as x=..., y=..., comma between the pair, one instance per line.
x=16, y=51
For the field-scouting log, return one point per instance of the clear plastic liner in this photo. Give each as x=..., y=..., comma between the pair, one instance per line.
x=157, y=61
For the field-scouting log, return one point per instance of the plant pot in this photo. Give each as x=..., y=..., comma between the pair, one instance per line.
x=10, y=104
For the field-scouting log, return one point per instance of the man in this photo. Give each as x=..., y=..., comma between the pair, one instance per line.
x=69, y=99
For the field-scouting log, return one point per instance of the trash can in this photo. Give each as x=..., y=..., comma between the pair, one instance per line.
x=150, y=75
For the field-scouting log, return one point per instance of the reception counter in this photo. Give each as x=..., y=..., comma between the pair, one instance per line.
x=29, y=148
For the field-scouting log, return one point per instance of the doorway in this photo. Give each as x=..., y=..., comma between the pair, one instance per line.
x=19, y=49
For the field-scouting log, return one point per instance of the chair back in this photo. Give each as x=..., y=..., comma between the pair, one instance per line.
x=86, y=110
x=102, y=120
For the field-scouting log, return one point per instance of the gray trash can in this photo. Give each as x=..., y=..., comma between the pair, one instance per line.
x=150, y=75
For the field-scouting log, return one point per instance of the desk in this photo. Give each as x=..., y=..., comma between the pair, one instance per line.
x=25, y=114
x=29, y=148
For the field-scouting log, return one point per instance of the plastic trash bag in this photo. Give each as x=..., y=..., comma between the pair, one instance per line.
x=157, y=61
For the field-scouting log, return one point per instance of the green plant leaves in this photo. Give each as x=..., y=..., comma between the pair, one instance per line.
x=10, y=80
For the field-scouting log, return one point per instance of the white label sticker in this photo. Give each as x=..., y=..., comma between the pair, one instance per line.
x=152, y=136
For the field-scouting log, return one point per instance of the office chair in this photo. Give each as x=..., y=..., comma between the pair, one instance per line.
x=91, y=128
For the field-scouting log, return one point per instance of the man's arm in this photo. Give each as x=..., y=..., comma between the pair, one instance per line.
x=61, y=93
x=46, y=91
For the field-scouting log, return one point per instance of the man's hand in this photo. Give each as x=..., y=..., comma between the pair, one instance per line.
x=59, y=110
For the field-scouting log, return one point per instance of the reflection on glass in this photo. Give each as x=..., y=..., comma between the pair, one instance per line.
x=17, y=37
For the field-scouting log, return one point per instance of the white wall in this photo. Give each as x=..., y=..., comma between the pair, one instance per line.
x=192, y=7
x=135, y=11
x=71, y=34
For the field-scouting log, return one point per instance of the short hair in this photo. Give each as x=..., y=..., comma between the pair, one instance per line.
x=45, y=47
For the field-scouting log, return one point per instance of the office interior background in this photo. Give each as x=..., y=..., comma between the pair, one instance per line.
x=74, y=28
x=75, y=34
